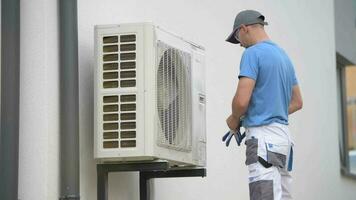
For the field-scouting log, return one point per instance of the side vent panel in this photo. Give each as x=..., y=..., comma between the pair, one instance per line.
x=119, y=121
x=119, y=61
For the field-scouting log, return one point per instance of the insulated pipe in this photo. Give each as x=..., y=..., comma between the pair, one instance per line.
x=69, y=117
x=10, y=88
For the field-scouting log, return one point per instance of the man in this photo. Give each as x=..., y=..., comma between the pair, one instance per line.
x=267, y=93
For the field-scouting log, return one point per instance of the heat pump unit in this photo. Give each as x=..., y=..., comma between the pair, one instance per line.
x=149, y=96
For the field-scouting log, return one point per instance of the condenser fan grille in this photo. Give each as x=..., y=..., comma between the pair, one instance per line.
x=173, y=98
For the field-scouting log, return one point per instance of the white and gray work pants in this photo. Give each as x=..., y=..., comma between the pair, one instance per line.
x=269, y=157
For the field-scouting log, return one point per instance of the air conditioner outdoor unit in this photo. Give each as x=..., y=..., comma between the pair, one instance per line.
x=149, y=96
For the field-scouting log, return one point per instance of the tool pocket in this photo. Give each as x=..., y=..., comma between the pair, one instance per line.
x=251, y=151
x=277, y=154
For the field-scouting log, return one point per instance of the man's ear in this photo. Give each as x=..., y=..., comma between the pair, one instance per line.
x=244, y=27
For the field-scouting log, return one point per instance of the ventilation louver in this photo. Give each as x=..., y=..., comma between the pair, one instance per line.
x=119, y=121
x=119, y=50
x=119, y=71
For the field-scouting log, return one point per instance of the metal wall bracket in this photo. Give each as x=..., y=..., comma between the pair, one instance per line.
x=70, y=197
x=146, y=171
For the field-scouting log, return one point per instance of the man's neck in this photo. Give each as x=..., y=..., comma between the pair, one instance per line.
x=260, y=37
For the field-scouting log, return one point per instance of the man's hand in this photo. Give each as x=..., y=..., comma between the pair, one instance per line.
x=232, y=122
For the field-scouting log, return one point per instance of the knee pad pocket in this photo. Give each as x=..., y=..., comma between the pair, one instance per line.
x=261, y=190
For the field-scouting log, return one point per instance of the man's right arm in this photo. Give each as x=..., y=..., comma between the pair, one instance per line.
x=296, y=102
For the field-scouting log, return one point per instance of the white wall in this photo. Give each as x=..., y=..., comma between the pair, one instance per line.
x=304, y=28
x=345, y=28
x=39, y=113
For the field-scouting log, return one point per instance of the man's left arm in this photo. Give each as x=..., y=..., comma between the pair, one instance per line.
x=240, y=101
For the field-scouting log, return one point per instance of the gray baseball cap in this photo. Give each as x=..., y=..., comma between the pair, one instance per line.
x=246, y=17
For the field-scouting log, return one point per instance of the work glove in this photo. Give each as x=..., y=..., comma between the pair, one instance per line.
x=238, y=136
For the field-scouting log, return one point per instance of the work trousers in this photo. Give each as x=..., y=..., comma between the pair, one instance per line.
x=269, y=158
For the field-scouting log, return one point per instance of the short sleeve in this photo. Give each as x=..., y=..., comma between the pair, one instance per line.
x=249, y=65
x=294, y=76
x=295, y=80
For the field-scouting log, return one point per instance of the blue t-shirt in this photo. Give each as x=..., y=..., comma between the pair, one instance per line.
x=271, y=68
